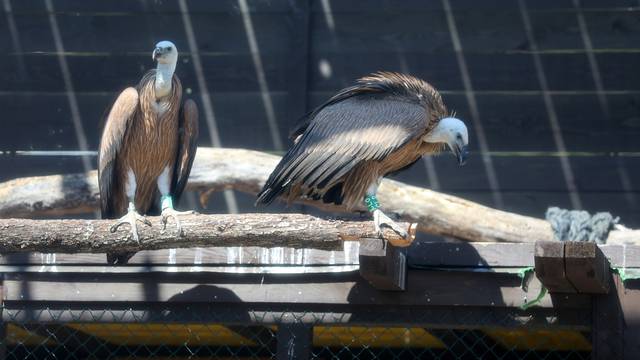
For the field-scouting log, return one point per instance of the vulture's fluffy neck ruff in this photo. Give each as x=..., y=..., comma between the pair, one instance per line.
x=164, y=75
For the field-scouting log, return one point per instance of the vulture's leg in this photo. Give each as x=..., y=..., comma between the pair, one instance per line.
x=132, y=216
x=379, y=218
x=166, y=202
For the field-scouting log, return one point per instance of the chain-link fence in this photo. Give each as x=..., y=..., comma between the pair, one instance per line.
x=53, y=331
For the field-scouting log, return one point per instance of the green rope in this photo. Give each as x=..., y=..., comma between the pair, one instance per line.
x=372, y=202
x=626, y=274
x=541, y=294
x=523, y=273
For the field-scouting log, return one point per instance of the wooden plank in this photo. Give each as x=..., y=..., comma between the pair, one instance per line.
x=226, y=72
x=586, y=268
x=423, y=288
x=420, y=254
x=629, y=299
x=22, y=166
x=489, y=72
x=463, y=254
x=351, y=6
x=550, y=267
x=3, y=332
x=299, y=26
x=238, y=113
x=388, y=272
x=614, y=66
x=150, y=6
x=483, y=255
x=119, y=32
x=199, y=257
x=608, y=327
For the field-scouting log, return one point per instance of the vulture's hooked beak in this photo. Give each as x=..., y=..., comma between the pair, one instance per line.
x=462, y=153
x=156, y=53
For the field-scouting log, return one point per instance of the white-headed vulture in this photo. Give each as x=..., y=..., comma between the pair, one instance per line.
x=147, y=148
x=381, y=125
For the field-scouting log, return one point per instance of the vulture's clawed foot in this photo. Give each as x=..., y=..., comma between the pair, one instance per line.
x=172, y=213
x=380, y=220
x=131, y=218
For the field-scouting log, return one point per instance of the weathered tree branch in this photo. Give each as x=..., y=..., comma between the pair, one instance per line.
x=246, y=171
x=263, y=230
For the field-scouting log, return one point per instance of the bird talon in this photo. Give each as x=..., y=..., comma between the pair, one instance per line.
x=380, y=220
x=171, y=213
x=131, y=218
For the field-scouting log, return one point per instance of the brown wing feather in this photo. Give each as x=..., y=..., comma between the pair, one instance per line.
x=340, y=137
x=118, y=121
x=187, y=146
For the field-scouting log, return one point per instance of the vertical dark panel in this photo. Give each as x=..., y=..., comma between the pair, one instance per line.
x=631, y=311
x=298, y=61
x=608, y=324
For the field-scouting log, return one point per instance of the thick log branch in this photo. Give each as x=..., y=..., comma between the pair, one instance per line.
x=246, y=171
x=263, y=230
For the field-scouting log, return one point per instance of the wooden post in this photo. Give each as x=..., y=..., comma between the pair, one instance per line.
x=572, y=267
x=386, y=270
x=607, y=330
x=549, y=266
x=295, y=341
x=586, y=267
x=3, y=327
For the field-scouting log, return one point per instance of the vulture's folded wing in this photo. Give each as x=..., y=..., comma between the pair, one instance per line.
x=115, y=129
x=187, y=146
x=354, y=126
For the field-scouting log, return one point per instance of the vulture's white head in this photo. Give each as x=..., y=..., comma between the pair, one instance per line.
x=452, y=132
x=165, y=53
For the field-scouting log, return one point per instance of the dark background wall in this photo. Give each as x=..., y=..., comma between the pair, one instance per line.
x=550, y=89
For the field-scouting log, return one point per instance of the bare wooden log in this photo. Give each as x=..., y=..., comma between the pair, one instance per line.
x=263, y=230
x=245, y=170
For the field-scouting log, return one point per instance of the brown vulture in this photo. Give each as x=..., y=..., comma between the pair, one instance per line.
x=382, y=124
x=147, y=148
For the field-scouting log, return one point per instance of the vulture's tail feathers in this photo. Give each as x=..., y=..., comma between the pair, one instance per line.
x=276, y=184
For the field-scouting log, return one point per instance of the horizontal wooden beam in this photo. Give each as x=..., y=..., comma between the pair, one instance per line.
x=433, y=288
x=264, y=230
x=189, y=257
x=419, y=254
x=444, y=254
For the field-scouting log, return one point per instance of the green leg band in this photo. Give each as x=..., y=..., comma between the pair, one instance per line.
x=166, y=202
x=372, y=202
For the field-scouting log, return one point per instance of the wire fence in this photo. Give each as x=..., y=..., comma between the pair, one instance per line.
x=92, y=332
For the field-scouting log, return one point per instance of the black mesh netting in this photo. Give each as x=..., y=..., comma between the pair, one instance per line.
x=94, y=333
